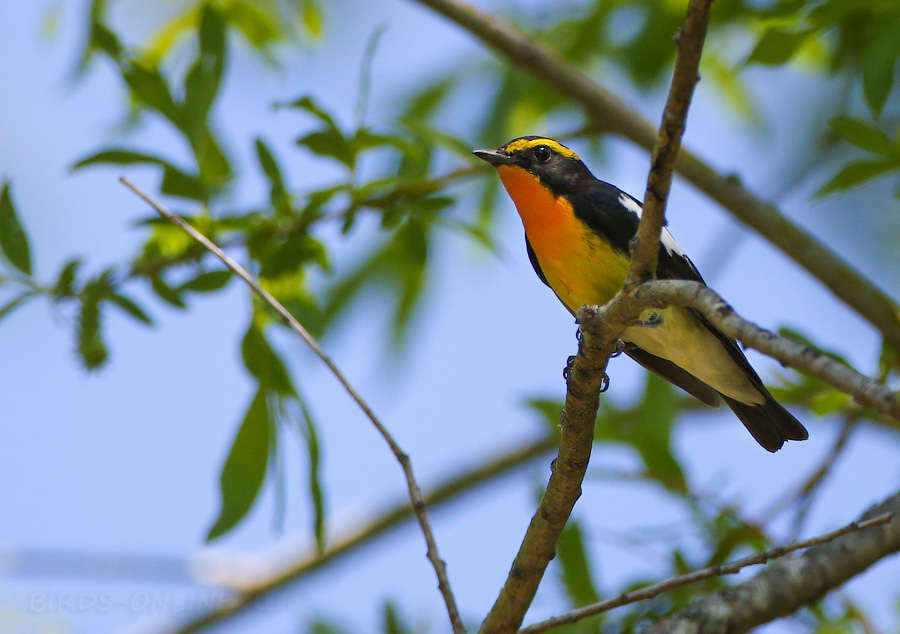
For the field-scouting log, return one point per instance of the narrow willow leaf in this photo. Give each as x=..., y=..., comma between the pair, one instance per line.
x=149, y=86
x=315, y=483
x=91, y=348
x=207, y=282
x=13, y=241
x=166, y=293
x=575, y=565
x=245, y=468
x=652, y=435
x=265, y=364
x=121, y=156
x=131, y=307
x=312, y=19
x=777, y=46
x=857, y=173
x=392, y=623
x=203, y=79
x=278, y=195
x=864, y=136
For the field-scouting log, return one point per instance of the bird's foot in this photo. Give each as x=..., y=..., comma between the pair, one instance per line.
x=619, y=349
x=654, y=321
x=566, y=370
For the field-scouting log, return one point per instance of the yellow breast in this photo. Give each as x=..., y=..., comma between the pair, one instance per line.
x=580, y=266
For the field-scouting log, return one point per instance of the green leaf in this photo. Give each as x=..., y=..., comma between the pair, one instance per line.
x=207, y=282
x=306, y=103
x=263, y=362
x=278, y=195
x=864, y=136
x=166, y=293
x=315, y=484
x=202, y=81
x=120, y=156
x=777, y=46
x=312, y=18
x=392, y=623
x=13, y=241
x=292, y=254
x=878, y=61
x=15, y=303
x=331, y=144
x=178, y=183
x=857, y=173
x=131, y=307
x=148, y=85
x=260, y=28
x=245, y=468
x=652, y=434
x=574, y=563
x=91, y=348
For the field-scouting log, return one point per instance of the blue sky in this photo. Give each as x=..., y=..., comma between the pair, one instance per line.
x=126, y=460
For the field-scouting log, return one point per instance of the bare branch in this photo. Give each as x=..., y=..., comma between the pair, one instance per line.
x=865, y=391
x=448, y=490
x=645, y=245
x=415, y=494
x=733, y=567
x=791, y=584
x=587, y=376
x=612, y=115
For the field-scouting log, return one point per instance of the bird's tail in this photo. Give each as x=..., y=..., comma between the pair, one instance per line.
x=769, y=423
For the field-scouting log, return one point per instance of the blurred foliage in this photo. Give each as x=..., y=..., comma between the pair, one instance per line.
x=408, y=190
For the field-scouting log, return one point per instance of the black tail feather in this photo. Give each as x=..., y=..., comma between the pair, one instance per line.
x=769, y=423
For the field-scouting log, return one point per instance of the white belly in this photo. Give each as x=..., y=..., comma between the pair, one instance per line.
x=687, y=344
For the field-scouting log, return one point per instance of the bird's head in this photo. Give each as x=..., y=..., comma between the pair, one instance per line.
x=556, y=166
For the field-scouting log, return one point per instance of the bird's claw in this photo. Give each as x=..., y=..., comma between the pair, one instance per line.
x=619, y=349
x=654, y=321
x=566, y=370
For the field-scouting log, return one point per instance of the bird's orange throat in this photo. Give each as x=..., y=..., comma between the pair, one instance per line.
x=549, y=220
x=580, y=266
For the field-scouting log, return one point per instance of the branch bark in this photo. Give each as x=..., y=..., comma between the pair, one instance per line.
x=415, y=493
x=659, y=293
x=730, y=568
x=685, y=77
x=611, y=114
x=448, y=490
x=789, y=585
x=587, y=374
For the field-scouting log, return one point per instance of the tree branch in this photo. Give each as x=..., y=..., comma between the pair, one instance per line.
x=789, y=585
x=645, y=249
x=612, y=115
x=659, y=293
x=586, y=377
x=733, y=567
x=415, y=494
x=444, y=492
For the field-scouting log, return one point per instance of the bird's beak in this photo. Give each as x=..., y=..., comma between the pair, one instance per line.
x=494, y=157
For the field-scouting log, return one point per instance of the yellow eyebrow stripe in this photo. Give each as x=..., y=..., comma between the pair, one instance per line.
x=522, y=144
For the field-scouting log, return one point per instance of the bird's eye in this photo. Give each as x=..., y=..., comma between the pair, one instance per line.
x=542, y=153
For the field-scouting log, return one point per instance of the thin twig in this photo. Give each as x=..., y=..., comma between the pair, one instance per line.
x=792, y=583
x=685, y=77
x=611, y=114
x=450, y=489
x=655, y=589
x=415, y=494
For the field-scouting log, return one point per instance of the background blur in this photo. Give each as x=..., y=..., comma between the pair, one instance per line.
x=109, y=478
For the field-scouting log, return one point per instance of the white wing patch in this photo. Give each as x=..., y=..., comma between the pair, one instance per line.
x=665, y=237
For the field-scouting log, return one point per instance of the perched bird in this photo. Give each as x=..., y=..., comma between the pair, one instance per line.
x=577, y=230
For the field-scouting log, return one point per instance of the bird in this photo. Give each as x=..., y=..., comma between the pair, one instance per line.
x=577, y=234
